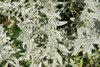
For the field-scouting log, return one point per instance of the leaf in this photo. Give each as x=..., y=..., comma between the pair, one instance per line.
x=83, y=14
x=57, y=15
x=11, y=62
x=6, y=65
x=73, y=63
x=72, y=18
x=59, y=58
x=58, y=35
x=97, y=41
x=76, y=50
x=40, y=64
x=63, y=49
x=92, y=5
x=88, y=49
x=61, y=23
x=54, y=63
x=46, y=51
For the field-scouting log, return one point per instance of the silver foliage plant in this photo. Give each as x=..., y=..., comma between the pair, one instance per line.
x=40, y=37
x=88, y=34
x=6, y=50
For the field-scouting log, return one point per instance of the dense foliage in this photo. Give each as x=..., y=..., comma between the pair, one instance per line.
x=46, y=33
